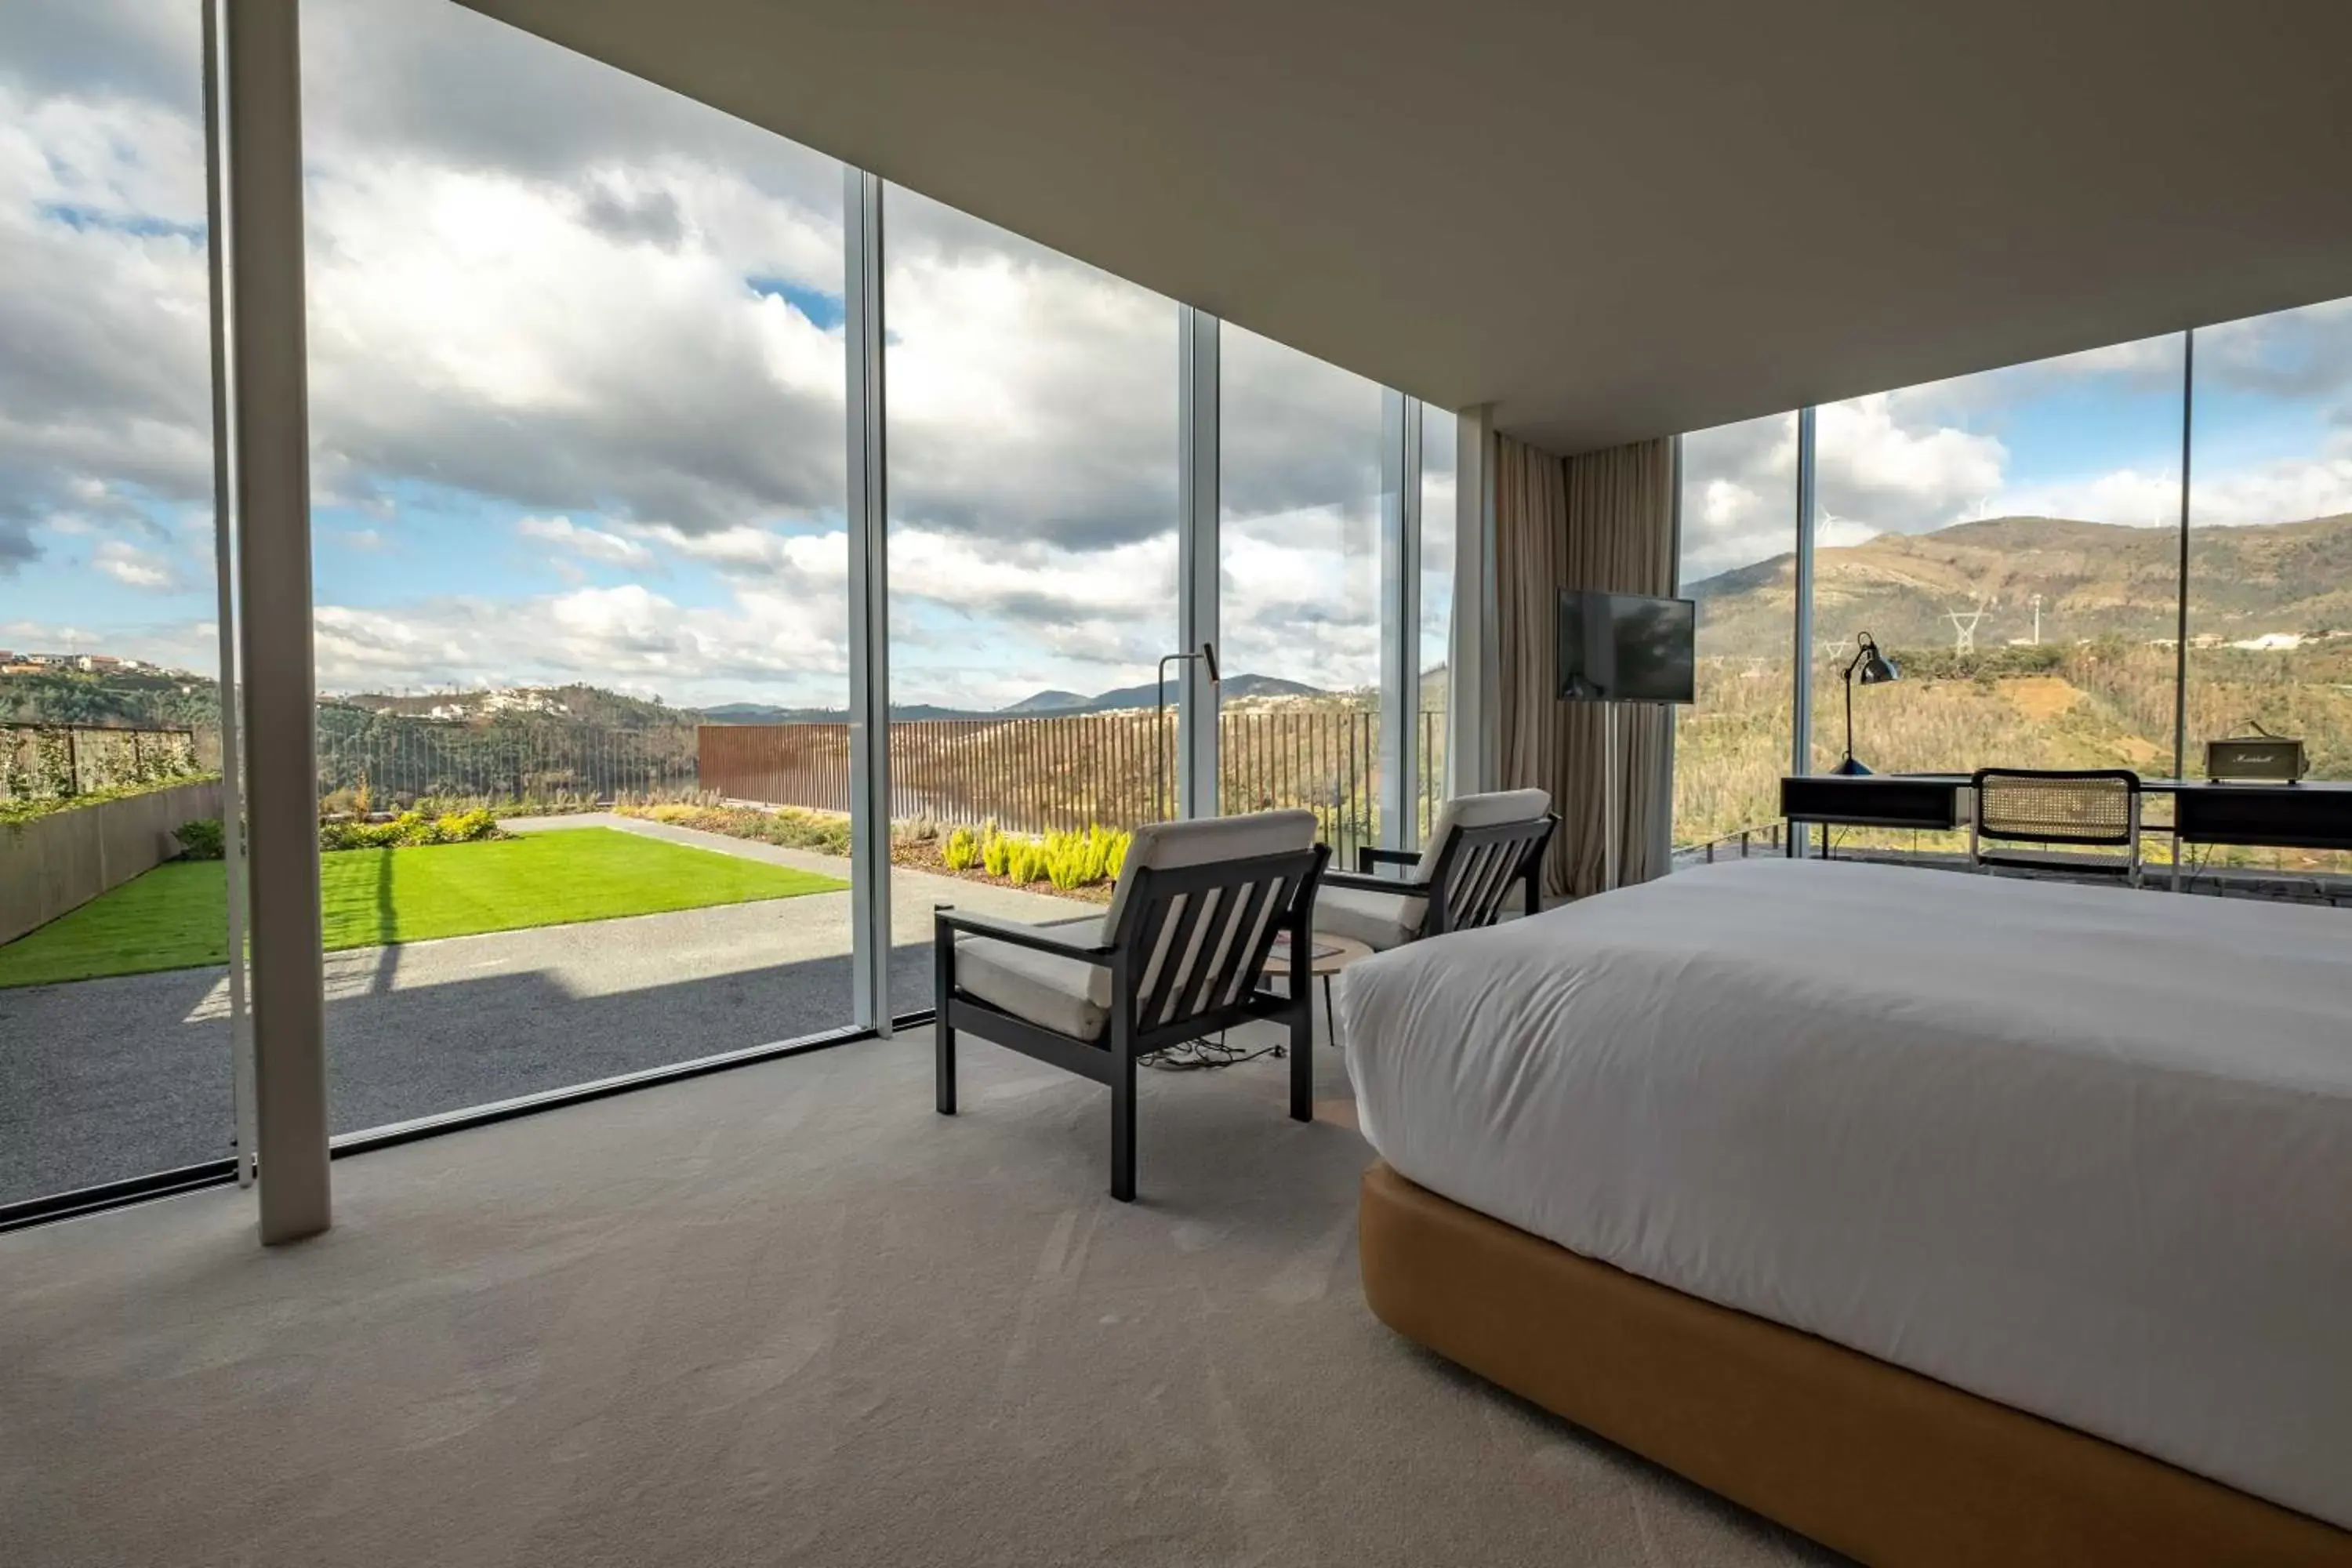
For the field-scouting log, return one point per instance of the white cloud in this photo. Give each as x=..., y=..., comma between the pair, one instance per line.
x=629, y=637
x=1879, y=472
x=2135, y=497
x=593, y=544
x=2284, y=491
x=136, y=568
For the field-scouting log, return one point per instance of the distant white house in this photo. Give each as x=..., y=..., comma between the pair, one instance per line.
x=520, y=700
x=2271, y=642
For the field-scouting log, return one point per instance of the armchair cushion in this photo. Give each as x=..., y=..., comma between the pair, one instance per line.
x=1478, y=811
x=1165, y=845
x=1066, y=995
x=1379, y=920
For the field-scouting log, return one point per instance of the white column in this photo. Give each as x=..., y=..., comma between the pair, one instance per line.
x=269, y=416
x=1474, y=661
x=1197, y=609
x=869, y=601
x=1400, y=619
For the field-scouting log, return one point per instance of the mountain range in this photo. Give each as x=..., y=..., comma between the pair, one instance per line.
x=2093, y=580
x=1037, y=704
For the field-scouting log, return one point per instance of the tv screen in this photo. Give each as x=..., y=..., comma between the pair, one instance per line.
x=1625, y=647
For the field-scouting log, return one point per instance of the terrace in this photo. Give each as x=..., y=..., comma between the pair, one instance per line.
x=690, y=898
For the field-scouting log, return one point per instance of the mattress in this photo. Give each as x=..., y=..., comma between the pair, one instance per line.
x=2084, y=1151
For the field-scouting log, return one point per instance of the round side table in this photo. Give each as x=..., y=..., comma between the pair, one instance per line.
x=1328, y=955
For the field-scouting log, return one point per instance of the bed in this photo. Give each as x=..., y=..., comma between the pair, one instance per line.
x=1945, y=1219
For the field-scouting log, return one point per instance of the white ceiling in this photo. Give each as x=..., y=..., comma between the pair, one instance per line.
x=1611, y=220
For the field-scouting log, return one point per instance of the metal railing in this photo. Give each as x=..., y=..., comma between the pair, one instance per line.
x=1026, y=774
x=403, y=760
x=1739, y=843
x=1043, y=774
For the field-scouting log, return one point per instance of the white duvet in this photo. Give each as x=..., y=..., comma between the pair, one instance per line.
x=2084, y=1151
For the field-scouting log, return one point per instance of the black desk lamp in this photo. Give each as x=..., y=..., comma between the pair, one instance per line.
x=1875, y=667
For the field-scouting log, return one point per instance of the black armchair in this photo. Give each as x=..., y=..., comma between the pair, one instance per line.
x=1480, y=847
x=1179, y=955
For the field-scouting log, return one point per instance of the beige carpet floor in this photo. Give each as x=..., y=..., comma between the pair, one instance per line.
x=787, y=1314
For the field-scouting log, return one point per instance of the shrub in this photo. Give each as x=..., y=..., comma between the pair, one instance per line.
x=788, y=827
x=200, y=839
x=1082, y=859
x=962, y=850
x=996, y=854
x=464, y=826
x=409, y=830
x=1028, y=862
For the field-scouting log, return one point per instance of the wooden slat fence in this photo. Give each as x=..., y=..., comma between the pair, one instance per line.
x=41, y=760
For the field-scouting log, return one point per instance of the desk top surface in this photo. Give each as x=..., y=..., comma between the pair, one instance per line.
x=2153, y=786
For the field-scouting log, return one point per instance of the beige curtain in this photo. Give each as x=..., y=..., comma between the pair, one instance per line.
x=1604, y=520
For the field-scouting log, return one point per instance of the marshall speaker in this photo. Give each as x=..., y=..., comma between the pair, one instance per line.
x=2259, y=758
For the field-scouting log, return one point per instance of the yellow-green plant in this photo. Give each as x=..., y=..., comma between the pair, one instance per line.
x=1081, y=859
x=1065, y=860
x=1029, y=862
x=996, y=854
x=962, y=850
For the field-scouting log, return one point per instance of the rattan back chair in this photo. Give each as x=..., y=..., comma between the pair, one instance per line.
x=2055, y=811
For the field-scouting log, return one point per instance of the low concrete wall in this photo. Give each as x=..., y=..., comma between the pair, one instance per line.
x=63, y=860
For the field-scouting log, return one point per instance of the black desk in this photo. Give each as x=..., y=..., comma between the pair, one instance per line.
x=2313, y=814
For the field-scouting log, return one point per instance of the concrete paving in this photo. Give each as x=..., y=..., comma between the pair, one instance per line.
x=104, y=1079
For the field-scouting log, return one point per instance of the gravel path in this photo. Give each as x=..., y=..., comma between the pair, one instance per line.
x=109, y=1079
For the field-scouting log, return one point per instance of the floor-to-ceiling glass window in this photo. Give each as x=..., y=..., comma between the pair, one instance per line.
x=114, y=998
x=2269, y=568
x=2011, y=540
x=1438, y=427
x=114, y=995
x=1299, y=581
x=576, y=394
x=1738, y=562
x=1032, y=548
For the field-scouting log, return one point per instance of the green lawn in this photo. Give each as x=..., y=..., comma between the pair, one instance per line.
x=171, y=916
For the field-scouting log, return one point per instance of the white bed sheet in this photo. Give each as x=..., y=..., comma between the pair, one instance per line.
x=2084, y=1151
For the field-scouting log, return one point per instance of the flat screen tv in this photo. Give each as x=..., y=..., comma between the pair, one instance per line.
x=1625, y=647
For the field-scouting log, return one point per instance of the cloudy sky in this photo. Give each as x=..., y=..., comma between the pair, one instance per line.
x=577, y=388
x=2094, y=436
x=576, y=399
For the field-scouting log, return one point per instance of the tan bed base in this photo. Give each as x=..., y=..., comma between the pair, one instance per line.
x=1880, y=1463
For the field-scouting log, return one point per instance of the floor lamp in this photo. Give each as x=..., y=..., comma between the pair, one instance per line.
x=1207, y=654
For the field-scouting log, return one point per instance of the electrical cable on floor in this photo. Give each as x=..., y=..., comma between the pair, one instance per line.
x=1197, y=1056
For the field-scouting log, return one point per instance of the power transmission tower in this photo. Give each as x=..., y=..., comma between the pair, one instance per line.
x=2037, y=620
x=1964, y=625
